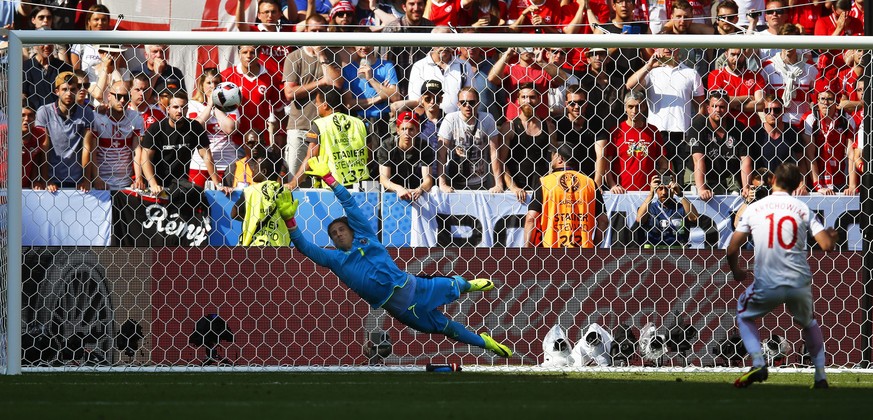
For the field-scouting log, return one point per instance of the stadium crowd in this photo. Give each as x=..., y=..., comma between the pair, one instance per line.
x=96, y=116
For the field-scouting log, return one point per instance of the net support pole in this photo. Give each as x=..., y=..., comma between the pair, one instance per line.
x=14, y=207
x=866, y=208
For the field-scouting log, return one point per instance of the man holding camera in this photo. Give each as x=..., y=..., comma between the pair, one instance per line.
x=664, y=219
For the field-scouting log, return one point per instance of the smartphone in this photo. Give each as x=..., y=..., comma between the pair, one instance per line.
x=666, y=179
x=630, y=29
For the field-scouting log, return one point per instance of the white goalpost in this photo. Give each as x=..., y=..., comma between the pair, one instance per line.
x=280, y=312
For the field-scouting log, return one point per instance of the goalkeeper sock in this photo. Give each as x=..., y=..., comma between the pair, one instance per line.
x=464, y=285
x=815, y=346
x=751, y=340
x=456, y=331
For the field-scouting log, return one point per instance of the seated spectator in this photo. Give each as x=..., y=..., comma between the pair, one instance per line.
x=574, y=130
x=40, y=71
x=776, y=142
x=468, y=156
x=526, y=142
x=116, y=139
x=405, y=160
x=635, y=151
x=270, y=20
x=791, y=79
x=68, y=139
x=219, y=125
x=674, y=93
x=718, y=150
x=743, y=86
x=442, y=65
x=260, y=91
x=560, y=217
x=534, y=16
x=526, y=70
x=828, y=134
x=665, y=220
x=161, y=73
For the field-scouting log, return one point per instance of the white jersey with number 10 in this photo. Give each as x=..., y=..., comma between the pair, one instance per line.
x=780, y=225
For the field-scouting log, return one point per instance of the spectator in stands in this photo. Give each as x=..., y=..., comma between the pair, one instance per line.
x=528, y=69
x=776, y=142
x=338, y=139
x=775, y=15
x=445, y=12
x=112, y=68
x=839, y=23
x=636, y=150
x=306, y=70
x=534, y=16
x=664, y=219
x=675, y=93
x=480, y=65
x=718, y=149
x=116, y=140
x=413, y=21
x=167, y=149
x=727, y=16
x=405, y=160
x=760, y=182
x=342, y=17
x=142, y=99
x=526, y=140
x=556, y=95
x=805, y=13
x=302, y=8
x=746, y=8
x=68, y=137
x=574, y=130
x=624, y=61
x=856, y=161
x=270, y=20
x=40, y=71
x=743, y=86
x=791, y=78
x=220, y=125
x=83, y=98
x=84, y=56
x=562, y=217
x=41, y=17
x=372, y=85
x=240, y=175
x=857, y=10
x=31, y=153
x=605, y=93
x=442, y=65
x=483, y=15
x=431, y=115
x=260, y=90
x=468, y=157
x=680, y=23
x=827, y=135
x=851, y=100
x=574, y=20
x=161, y=73
x=12, y=10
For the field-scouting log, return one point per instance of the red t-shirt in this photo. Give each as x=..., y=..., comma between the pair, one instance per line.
x=745, y=84
x=443, y=14
x=515, y=75
x=806, y=15
x=635, y=153
x=474, y=13
x=151, y=116
x=273, y=56
x=576, y=60
x=550, y=11
x=260, y=95
x=847, y=81
x=830, y=139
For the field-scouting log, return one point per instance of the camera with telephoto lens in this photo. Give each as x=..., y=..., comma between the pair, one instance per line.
x=754, y=15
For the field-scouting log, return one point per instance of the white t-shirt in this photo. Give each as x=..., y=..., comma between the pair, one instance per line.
x=116, y=141
x=671, y=91
x=779, y=225
x=470, y=142
x=220, y=144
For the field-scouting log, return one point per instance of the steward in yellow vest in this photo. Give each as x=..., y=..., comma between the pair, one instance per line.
x=567, y=209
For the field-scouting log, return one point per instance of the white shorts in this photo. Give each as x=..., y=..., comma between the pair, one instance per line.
x=755, y=303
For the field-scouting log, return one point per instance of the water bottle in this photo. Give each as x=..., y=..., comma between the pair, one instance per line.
x=828, y=182
x=451, y=367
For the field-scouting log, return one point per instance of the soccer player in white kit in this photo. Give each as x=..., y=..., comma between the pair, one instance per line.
x=779, y=225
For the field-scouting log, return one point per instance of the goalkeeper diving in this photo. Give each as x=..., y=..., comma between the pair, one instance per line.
x=362, y=263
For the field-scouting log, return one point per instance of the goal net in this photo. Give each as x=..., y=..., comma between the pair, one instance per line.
x=129, y=250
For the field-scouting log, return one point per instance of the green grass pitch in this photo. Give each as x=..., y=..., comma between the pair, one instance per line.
x=421, y=395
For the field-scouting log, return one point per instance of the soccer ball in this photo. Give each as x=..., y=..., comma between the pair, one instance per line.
x=226, y=96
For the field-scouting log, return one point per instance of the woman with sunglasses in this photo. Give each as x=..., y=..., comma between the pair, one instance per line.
x=220, y=126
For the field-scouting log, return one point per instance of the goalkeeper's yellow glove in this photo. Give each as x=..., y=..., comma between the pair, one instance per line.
x=286, y=205
x=318, y=167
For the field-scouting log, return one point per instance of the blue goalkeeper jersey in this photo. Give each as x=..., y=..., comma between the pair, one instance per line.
x=367, y=268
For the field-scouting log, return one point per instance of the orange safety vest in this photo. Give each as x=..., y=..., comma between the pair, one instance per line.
x=242, y=173
x=568, y=219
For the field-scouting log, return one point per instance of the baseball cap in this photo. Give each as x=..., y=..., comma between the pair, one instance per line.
x=563, y=149
x=432, y=86
x=343, y=6
x=65, y=77
x=111, y=48
x=595, y=50
x=407, y=116
x=525, y=50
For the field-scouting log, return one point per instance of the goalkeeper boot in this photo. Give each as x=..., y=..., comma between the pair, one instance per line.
x=480, y=285
x=495, y=347
x=821, y=384
x=755, y=374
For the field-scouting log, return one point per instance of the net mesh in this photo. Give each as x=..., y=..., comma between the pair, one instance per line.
x=147, y=268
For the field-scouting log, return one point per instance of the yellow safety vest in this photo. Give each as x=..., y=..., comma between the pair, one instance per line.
x=263, y=226
x=342, y=139
x=569, y=203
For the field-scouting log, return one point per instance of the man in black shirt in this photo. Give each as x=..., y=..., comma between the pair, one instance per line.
x=405, y=160
x=717, y=148
x=605, y=94
x=573, y=130
x=166, y=151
